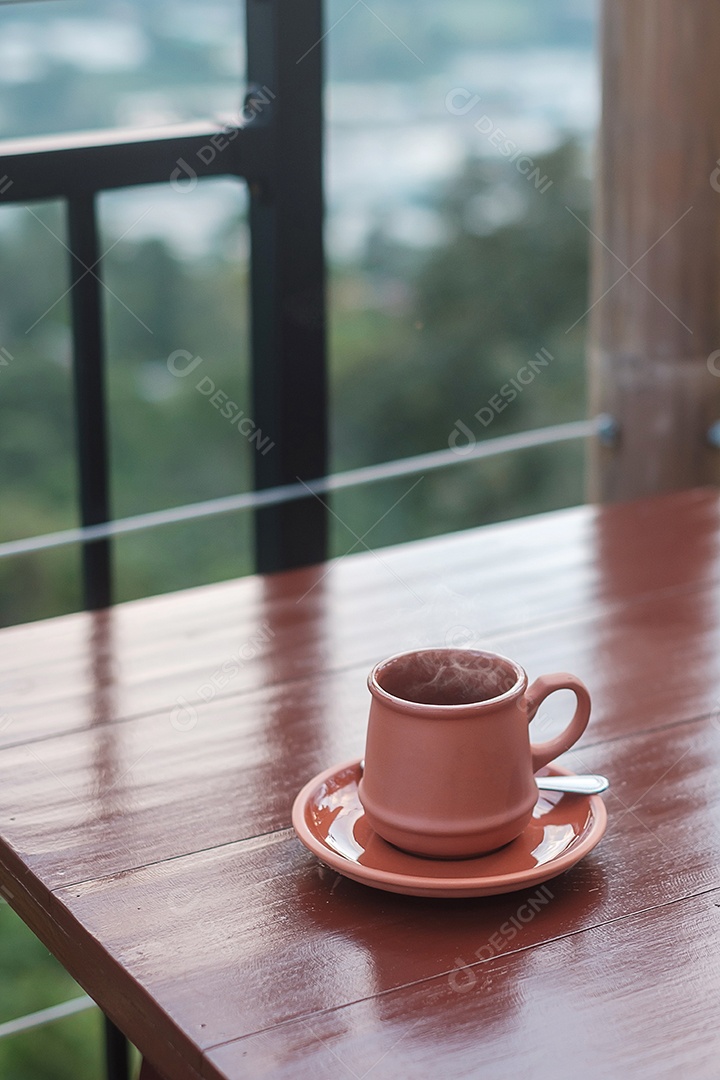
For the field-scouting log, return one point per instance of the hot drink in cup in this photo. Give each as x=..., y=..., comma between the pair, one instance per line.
x=449, y=766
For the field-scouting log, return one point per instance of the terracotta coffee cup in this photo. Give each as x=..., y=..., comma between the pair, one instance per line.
x=449, y=766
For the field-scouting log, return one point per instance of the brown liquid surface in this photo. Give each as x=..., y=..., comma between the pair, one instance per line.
x=446, y=677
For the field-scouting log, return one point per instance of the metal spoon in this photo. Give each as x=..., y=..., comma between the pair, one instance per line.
x=581, y=785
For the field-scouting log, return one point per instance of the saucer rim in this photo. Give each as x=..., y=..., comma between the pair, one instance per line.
x=466, y=886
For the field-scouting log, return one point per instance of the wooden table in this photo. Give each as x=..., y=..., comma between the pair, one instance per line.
x=146, y=839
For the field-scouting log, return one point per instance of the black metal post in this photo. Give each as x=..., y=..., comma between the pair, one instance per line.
x=285, y=55
x=89, y=389
x=117, y=1061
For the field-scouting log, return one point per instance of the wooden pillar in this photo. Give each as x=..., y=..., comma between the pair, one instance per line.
x=655, y=331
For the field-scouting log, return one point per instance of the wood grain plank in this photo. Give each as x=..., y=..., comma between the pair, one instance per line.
x=239, y=939
x=635, y=999
x=119, y=796
x=79, y=671
x=191, y=950
x=84, y=956
x=147, y=1072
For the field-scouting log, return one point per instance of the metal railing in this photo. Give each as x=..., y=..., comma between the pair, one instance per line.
x=276, y=147
x=277, y=150
x=286, y=493
x=46, y=1016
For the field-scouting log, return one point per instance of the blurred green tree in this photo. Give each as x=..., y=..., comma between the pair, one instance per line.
x=510, y=280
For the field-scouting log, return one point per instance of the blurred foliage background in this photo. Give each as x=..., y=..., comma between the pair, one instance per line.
x=419, y=339
x=449, y=271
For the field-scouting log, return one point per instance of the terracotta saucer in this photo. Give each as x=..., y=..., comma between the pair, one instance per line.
x=329, y=820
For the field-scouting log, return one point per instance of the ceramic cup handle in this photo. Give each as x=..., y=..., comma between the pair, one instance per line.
x=545, y=752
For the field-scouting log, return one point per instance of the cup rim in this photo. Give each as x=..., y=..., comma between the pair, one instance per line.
x=424, y=708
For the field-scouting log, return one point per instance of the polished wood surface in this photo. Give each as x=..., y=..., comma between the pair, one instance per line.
x=145, y=832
